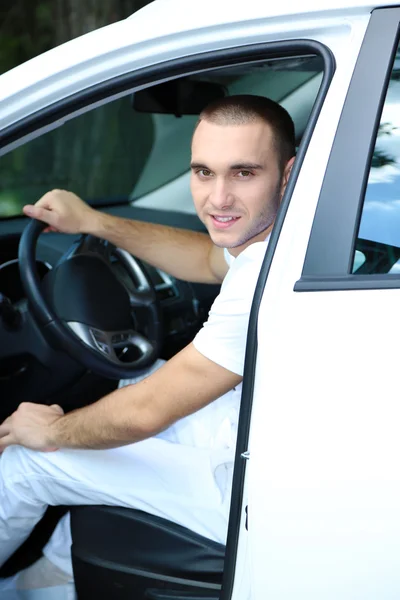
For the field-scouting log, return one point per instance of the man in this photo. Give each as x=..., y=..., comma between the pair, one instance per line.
x=174, y=431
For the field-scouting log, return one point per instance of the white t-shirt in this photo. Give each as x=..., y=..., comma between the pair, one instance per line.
x=222, y=339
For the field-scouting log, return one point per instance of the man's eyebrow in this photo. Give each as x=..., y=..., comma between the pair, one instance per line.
x=245, y=166
x=194, y=165
x=235, y=167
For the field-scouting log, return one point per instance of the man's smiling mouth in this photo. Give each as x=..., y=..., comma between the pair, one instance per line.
x=224, y=219
x=222, y=222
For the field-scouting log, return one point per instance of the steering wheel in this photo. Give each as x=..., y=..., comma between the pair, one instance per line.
x=85, y=309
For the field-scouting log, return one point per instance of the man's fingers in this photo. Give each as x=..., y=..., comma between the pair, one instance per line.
x=37, y=212
x=7, y=437
x=7, y=440
x=5, y=428
x=58, y=408
x=29, y=210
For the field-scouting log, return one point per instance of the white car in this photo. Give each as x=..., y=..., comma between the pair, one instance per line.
x=315, y=510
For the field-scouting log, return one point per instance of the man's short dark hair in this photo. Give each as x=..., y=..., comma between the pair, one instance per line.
x=246, y=108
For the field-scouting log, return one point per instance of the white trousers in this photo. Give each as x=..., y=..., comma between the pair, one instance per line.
x=157, y=475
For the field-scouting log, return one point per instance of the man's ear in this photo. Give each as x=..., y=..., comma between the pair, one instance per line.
x=286, y=173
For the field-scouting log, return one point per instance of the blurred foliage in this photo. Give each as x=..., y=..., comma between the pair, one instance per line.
x=382, y=159
x=26, y=29
x=30, y=27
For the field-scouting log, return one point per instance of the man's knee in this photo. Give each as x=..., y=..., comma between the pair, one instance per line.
x=13, y=462
x=19, y=467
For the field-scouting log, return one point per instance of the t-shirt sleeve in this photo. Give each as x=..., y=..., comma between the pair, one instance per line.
x=222, y=338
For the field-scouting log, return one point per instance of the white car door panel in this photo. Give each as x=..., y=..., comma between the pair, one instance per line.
x=323, y=479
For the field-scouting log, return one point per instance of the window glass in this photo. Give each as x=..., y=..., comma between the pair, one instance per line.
x=379, y=232
x=100, y=155
x=115, y=154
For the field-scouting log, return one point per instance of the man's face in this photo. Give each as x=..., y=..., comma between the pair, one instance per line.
x=236, y=182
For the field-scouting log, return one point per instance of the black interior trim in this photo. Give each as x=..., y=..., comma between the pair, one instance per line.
x=334, y=232
x=252, y=342
x=348, y=282
x=175, y=595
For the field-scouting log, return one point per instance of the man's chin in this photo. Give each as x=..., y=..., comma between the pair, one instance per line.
x=227, y=239
x=237, y=243
x=223, y=241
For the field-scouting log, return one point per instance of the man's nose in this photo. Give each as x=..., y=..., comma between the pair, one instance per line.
x=221, y=196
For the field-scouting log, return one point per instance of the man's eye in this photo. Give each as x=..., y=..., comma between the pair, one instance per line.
x=204, y=172
x=244, y=173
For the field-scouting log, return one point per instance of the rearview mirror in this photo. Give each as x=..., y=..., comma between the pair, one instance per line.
x=178, y=97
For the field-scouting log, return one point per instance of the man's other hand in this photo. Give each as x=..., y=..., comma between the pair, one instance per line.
x=63, y=211
x=30, y=426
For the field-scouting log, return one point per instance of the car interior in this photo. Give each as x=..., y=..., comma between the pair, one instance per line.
x=68, y=338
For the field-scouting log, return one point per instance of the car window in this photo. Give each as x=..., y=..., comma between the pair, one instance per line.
x=379, y=232
x=114, y=154
x=100, y=155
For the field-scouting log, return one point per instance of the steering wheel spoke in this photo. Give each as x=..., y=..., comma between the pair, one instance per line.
x=89, y=244
x=142, y=293
x=125, y=347
x=98, y=340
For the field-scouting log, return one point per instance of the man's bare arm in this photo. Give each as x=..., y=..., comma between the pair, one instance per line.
x=186, y=383
x=185, y=254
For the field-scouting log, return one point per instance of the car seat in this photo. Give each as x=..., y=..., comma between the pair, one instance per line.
x=123, y=553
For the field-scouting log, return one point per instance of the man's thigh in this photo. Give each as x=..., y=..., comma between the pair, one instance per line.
x=157, y=476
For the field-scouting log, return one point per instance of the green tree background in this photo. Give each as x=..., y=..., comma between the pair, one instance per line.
x=96, y=154
x=30, y=27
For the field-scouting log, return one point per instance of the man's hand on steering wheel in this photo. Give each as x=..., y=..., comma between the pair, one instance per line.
x=63, y=211
x=82, y=306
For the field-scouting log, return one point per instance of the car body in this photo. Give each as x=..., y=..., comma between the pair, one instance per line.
x=316, y=494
